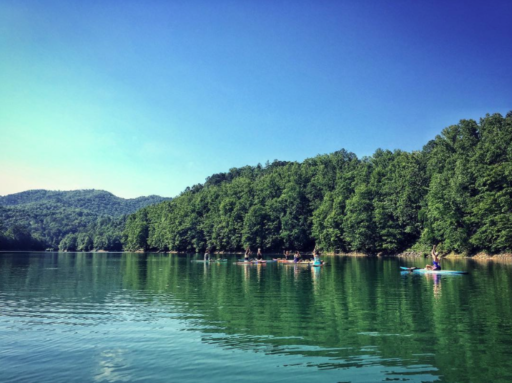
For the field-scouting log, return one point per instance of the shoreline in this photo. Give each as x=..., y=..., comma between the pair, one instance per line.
x=481, y=256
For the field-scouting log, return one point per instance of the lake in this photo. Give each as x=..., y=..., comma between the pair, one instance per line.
x=107, y=317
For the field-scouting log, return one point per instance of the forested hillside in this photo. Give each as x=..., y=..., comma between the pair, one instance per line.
x=457, y=191
x=40, y=218
x=94, y=201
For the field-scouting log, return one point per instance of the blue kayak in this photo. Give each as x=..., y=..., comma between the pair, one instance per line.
x=425, y=271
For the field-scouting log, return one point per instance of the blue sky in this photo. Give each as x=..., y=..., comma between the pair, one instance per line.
x=149, y=97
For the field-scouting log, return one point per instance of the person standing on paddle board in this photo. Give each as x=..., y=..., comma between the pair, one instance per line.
x=286, y=255
x=207, y=255
x=247, y=254
x=435, y=260
x=259, y=255
x=296, y=257
x=316, y=257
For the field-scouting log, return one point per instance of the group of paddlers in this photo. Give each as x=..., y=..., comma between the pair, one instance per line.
x=297, y=258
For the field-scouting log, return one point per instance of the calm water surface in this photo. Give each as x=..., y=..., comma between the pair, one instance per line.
x=162, y=318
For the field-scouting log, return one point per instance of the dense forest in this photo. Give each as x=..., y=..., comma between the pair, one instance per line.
x=456, y=191
x=38, y=219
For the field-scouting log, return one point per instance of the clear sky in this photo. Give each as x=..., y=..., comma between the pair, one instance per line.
x=149, y=97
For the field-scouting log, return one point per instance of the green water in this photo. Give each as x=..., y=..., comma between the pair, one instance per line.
x=163, y=318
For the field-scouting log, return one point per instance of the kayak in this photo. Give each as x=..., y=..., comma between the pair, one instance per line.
x=249, y=263
x=425, y=271
x=255, y=261
x=299, y=263
x=290, y=261
x=211, y=260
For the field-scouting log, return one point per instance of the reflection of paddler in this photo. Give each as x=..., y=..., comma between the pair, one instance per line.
x=437, y=285
x=296, y=271
x=436, y=278
x=246, y=271
x=315, y=272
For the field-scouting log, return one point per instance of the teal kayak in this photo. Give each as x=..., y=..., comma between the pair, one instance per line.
x=425, y=271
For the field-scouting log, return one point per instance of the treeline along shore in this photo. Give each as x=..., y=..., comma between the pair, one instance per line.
x=456, y=192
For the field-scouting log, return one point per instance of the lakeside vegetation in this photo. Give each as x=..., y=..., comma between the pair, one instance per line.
x=456, y=191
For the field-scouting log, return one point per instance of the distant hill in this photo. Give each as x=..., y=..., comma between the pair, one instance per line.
x=50, y=215
x=94, y=201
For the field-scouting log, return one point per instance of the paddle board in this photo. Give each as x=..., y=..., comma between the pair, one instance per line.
x=425, y=271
